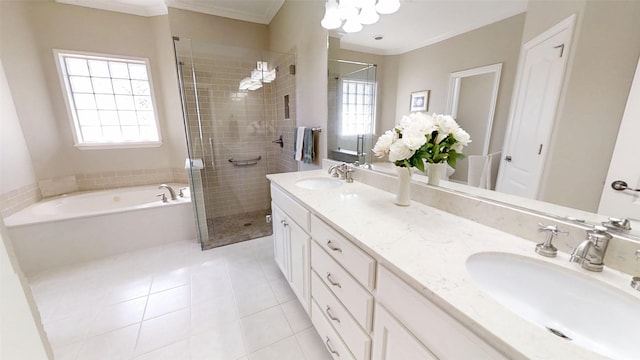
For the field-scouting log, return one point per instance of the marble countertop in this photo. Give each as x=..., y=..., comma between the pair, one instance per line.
x=428, y=249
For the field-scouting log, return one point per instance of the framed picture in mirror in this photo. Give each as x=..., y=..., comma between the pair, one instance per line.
x=419, y=101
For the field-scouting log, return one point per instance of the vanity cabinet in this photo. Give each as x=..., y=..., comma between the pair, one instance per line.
x=342, y=279
x=291, y=242
x=409, y=326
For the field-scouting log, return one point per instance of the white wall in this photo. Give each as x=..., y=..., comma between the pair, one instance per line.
x=31, y=30
x=297, y=25
x=21, y=334
x=428, y=68
x=15, y=161
x=602, y=62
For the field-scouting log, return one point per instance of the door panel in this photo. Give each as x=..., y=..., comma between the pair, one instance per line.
x=624, y=162
x=540, y=79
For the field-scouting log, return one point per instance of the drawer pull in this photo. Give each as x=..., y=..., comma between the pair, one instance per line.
x=334, y=248
x=331, y=316
x=333, y=282
x=331, y=349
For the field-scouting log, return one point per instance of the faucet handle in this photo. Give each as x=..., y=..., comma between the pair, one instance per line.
x=181, y=192
x=546, y=248
x=617, y=224
x=163, y=197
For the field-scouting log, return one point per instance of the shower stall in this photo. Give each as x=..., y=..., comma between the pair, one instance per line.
x=236, y=102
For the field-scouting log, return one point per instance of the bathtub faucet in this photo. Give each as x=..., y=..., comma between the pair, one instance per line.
x=171, y=191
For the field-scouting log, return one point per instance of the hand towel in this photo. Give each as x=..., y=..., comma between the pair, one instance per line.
x=308, y=146
x=493, y=163
x=298, y=141
x=476, y=175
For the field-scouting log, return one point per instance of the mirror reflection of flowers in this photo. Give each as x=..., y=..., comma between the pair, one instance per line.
x=422, y=137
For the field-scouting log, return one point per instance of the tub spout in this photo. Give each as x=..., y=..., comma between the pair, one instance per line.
x=171, y=191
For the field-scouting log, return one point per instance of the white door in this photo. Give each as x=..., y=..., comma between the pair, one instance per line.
x=625, y=164
x=538, y=85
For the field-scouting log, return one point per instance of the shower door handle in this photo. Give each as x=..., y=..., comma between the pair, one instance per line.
x=213, y=163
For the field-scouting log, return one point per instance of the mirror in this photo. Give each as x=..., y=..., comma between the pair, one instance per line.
x=472, y=102
x=351, y=91
x=400, y=74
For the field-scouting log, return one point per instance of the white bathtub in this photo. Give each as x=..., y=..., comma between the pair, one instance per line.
x=79, y=227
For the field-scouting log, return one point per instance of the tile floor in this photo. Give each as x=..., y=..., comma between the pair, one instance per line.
x=177, y=302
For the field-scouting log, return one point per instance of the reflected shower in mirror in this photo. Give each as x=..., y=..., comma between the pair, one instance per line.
x=472, y=101
x=352, y=89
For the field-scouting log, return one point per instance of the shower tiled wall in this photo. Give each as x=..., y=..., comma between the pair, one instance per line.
x=241, y=126
x=284, y=85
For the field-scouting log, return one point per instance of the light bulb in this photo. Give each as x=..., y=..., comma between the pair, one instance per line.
x=331, y=18
x=347, y=9
x=368, y=15
x=386, y=7
x=352, y=26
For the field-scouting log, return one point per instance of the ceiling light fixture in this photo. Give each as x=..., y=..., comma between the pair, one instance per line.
x=261, y=74
x=352, y=14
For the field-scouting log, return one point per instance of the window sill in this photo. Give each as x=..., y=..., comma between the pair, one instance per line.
x=121, y=145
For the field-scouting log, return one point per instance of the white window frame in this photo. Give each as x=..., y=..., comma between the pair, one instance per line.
x=72, y=112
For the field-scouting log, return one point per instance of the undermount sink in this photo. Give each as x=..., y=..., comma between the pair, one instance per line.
x=570, y=305
x=319, y=183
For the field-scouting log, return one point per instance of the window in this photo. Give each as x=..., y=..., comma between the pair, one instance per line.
x=110, y=100
x=358, y=106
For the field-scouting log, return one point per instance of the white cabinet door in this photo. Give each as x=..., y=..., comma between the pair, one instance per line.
x=299, y=268
x=279, y=239
x=392, y=341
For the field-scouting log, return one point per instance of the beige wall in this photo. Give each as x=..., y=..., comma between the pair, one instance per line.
x=428, y=68
x=602, y=63
x=15, y=161
x=30, y=31
x=297, y=26
x=218, y=30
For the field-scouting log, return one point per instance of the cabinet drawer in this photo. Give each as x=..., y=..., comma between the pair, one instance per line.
x=291, y=207
x=355, y=298
x=356, y=339
x=332, y=341
x=438, y=331
x=356, y=261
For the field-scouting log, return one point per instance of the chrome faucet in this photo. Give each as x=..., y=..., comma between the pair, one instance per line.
x=343, y=171
x=590, y=252
x=339, y=170
x=171, y=191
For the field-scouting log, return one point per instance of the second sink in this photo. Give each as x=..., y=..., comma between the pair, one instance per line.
x=570, y=305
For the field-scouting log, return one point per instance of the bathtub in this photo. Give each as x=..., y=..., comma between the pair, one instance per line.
x=80, y=227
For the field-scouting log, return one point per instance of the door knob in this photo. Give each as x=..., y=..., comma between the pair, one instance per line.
x=508, y=158
x=620, y=185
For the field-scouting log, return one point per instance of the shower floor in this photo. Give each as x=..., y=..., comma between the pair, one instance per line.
x=225, y=230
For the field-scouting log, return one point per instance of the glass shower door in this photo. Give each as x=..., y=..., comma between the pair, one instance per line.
x=229, y=96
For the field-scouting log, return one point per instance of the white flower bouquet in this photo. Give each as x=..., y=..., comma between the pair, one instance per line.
x=419, y=136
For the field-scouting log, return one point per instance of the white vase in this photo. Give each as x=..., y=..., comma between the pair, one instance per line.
x=434, y=172
x=403, y=195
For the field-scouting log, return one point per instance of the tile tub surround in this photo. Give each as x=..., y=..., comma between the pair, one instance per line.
x=428, y=249
x=13, y=201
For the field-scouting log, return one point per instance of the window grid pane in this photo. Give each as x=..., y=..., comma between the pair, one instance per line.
x=111, y=99
x=357, y=106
